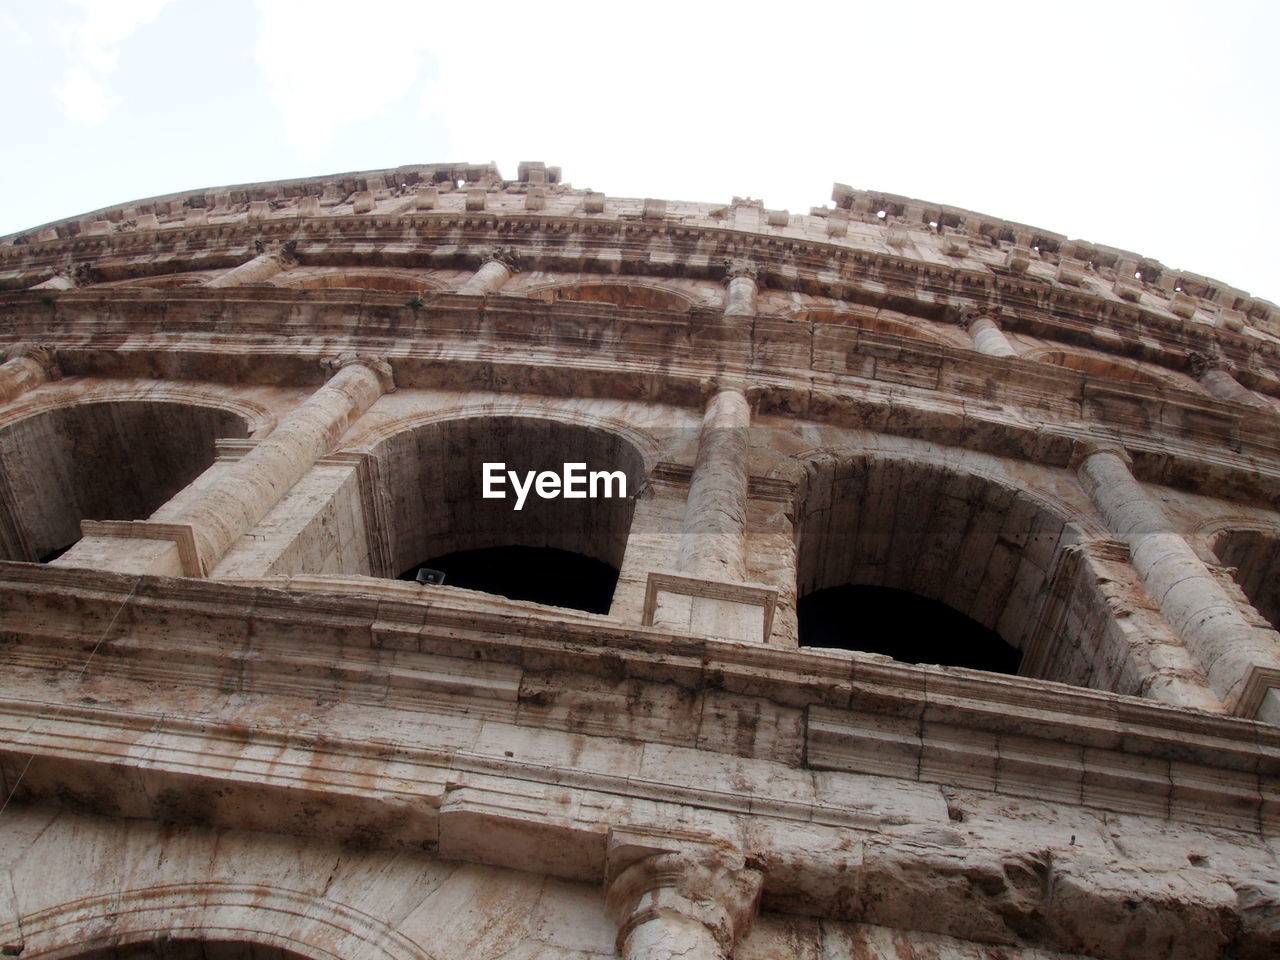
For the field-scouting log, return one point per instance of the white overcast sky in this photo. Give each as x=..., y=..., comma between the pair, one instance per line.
x=1152, y=126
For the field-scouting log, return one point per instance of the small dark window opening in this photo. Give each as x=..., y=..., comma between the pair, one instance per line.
x=559, y=578
x=902, y=625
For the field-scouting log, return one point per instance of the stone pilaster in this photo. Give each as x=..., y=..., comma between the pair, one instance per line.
x=693, y=905
x=28, y=366
x=1227, y=648
x=988, y=338
x=271, y=259
x=713, y=539
x=710, y=595
x=1214, y=374
x=230, y=499
x=740, y=289
x=496, y=269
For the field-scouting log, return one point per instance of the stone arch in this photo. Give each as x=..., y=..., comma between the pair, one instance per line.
x=1250, y=550
x=624, y=293
x=881, y=321
x=1111, y=368
x=935, y=528
x=295, y=925
x=259, y=420
x=388, y=281
x=68, y=459
x=429, y=478
x=167, y=281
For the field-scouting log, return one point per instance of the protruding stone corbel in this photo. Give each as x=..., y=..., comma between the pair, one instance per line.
x=378, y=365
x=692, y=903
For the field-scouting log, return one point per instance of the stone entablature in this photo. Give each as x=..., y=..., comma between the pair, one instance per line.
x=1110, y=276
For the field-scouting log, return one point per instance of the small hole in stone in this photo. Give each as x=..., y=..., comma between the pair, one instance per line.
x=1137, y=275
x=933, y=224
x=1197, y=860
x=882, y=214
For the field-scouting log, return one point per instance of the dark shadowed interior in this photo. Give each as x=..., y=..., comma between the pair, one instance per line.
x=902, y=625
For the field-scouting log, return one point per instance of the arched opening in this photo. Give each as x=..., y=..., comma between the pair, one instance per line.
x=922, y=562
x=1254, y=556
x=110, y=460
x=168, y=281
x=1097, y=366
x=545, y=547
x=881, y=321
x=162, y=948
x=360, y=280
x=622, y=294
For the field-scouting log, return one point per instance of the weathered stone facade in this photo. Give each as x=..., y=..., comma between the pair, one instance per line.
x=229, y=419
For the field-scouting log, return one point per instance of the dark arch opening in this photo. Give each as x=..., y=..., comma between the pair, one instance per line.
x=1254, y=557
x=930, y=564
x=162, y=948
x=108, y=460
x=902, y=625
x=559, y=578
x=558, y=551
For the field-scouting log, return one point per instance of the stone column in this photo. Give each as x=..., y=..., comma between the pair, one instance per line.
x=496, y=270
x=1226, y=647
x=271, y=259
x=682, y=906
x=988, y=338
x=713, y=538
x=740, y=294
x=244, y=494
x=189, y=535
x=1215, y=376
x=28, y=366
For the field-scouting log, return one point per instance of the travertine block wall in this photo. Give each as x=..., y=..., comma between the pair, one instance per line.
x=226, y=727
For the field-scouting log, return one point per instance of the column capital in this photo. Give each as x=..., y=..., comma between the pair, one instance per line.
x=283, y=250
x=739, y=267
x=379, y=365
x=39, y=353
x=506, y=256
x=709, y=884
x=1085, y=447
x=711, y=386
x=1201, y=363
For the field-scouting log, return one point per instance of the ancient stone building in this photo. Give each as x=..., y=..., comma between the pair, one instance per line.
x=920, y=601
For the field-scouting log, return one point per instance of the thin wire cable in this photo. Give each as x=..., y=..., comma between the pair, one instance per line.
x=58, y=709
